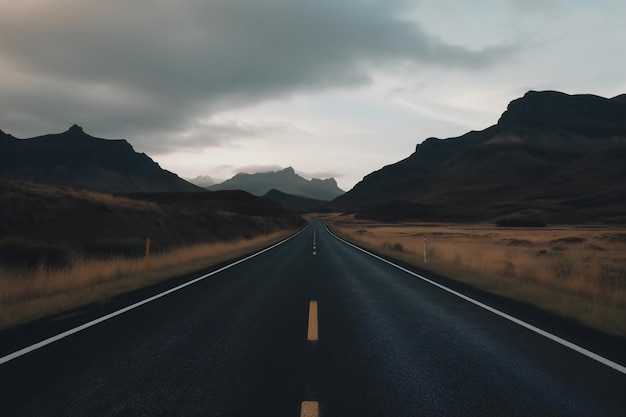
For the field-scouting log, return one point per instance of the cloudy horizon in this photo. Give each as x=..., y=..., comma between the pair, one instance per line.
x=327, y=87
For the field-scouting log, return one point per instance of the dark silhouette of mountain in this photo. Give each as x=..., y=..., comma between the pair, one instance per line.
x=583, y=114
x=294, y=203
x=76, y=159
x=286, y=181
x=557, y=156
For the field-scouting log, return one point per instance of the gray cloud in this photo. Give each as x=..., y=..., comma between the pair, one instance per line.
x=130, y=69
x=543, y=7
x=253, y=169
x=320, y=174
x=228, y=130
x=211, y=133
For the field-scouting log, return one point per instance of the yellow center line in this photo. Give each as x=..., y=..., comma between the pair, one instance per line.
x=310, y=409
x=312, y=333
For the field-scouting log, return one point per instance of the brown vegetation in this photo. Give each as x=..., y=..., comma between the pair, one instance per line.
x=99, y=224
x=26, y=294
x=62, y=247
x=574, y=271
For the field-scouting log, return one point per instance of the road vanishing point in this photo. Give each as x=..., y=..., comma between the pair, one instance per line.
x=312, y=326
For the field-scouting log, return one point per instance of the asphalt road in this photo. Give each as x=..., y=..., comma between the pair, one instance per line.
x=293, y=331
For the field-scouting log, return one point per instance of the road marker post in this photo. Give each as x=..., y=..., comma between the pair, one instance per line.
x=26, y=350
x=147, y=265
x=425, y=250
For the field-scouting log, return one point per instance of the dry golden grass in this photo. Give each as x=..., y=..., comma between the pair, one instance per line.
x=26, y=295
x=21, y=190
x=575, y=271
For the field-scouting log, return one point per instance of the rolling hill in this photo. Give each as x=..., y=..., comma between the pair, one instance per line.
x=294, y=203
x=50, y=224
x=551, y=155
x=76, y=159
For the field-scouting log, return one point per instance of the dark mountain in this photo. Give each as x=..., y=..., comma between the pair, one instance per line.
x=294, y=203
x=583, y=114
x=286, y=181
x=76, y=159
x=552, y=155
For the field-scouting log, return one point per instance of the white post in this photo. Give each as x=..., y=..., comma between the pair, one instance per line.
x=425, y=250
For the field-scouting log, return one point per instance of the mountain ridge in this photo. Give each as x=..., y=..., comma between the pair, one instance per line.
x=202, y=181
x=285, y=180
x=567, y=112
x=77, y=159
x=508, y=168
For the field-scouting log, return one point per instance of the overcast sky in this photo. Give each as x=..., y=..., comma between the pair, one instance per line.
x=331, y=87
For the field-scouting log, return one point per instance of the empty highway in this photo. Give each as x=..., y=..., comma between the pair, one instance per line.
x=310, y=327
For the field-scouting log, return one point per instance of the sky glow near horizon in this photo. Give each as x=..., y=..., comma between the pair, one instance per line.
x=332, y=87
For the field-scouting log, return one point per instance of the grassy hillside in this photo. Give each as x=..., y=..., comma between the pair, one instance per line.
x=51, y=225
x=61, y=248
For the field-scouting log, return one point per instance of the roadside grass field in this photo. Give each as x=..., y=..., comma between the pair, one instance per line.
x=577, y=272
x=27, y=294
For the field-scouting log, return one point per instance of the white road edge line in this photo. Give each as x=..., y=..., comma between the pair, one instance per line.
x=579, y=349
x=82, y=327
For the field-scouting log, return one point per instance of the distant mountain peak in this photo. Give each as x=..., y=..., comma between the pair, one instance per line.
x=330, y=181
x=285, y=180
x=75, y=129
x=203, y=181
